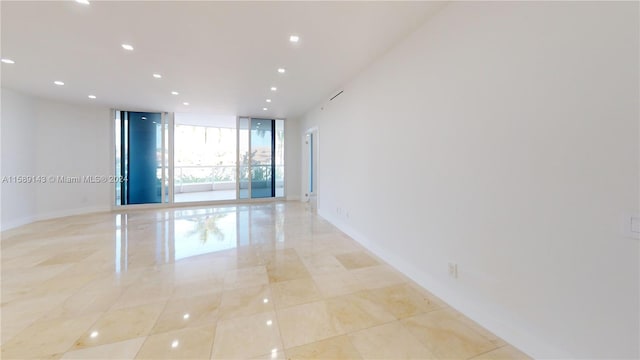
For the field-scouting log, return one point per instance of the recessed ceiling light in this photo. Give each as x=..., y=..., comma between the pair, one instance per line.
x=185, y=103
x=127, y=47
x=281, y=70
x=59, y=83
x=83, y=2
x=94, y=334
x=265, y=109
x=268, y=100
x=8, y=61
x=175, y=344
x=157, y=76
x=91, y=96
x=273, y=88
x=174, y=93
x=294, y=38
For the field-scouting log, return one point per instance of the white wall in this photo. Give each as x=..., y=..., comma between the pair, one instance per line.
x=502, y=137
x=18, y=123
x=73, y=140
x=49, y=138
x=292, y=158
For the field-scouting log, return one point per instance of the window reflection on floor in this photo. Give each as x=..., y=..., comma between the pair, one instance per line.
x=182, y=233
x=205, y=234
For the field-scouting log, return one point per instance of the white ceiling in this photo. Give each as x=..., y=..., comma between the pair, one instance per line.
x=221, y=56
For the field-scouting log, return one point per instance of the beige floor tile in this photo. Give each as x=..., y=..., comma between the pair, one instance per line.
x=192, y=343
x=119, y=350
x=85, y=302
x=334, y=348
x=374, y=277
x=21, y=262
x=119, y=325
x=503, y=353
x=11, y=329
x=45, y=338
x=66, y=291
x=144, y=292
x=115, y=281
x=319, y=264
x=247, y=277
x=289, y=270
x=274, y=354
x=294, y=292
x=17, y=315
x=201, y=268
x=67, y=282
x=308, y=323
x=404, y=301
x=498, y=342
x=194, y=288
x=356, y=260
x=389, y=341
x=37, y=275
x=446, y=336
x=246, y=301
x=247, y=337
x=67, y=257
x=335, y=284
x=188, y=312
x=358, y=311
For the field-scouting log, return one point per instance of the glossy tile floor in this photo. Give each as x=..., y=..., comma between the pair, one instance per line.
x=270, y=281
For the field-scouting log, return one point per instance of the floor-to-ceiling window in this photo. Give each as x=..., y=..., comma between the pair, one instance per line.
x=141, y=147
x=279, y=157
x=261, y=158
x=214, y=158
x=204, y=158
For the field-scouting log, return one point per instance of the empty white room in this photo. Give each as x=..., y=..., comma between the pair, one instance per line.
x=320, y=180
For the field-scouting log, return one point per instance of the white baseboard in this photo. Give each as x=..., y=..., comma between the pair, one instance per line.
x=513, y=334
x=8, y=225
x=71, y=212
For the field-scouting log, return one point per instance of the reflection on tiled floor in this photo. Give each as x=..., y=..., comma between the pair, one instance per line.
x=268, y=281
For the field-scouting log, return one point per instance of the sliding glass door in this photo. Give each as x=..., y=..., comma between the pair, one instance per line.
x=212, y=158
x=140, y=149
x=204, y=158
x=261, y=158
x=263, y=162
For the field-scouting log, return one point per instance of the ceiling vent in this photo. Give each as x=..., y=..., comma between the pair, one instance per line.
x=336, y=95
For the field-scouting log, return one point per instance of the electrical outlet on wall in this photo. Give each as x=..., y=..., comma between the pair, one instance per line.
x=453, y=270
x=631, y=226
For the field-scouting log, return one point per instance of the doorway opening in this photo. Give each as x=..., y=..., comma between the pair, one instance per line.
x=311, y=165
x=164, y=158
x=204, y=158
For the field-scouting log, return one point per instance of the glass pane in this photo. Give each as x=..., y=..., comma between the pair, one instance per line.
x=279, y=158
x=119, y=174
x=145, y=158
x=205, y=158
x=243, y=166
x=165, y=156
x=262, y=132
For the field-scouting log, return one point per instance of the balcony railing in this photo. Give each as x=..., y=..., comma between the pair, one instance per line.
x=196, y=178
